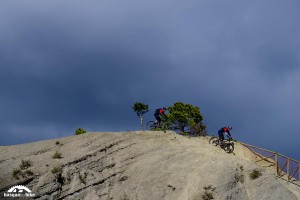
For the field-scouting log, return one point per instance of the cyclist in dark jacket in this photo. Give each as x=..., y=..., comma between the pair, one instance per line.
x=225, y=130
x=160, y=112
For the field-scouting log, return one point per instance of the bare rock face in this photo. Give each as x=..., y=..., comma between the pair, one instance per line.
x=138, y=165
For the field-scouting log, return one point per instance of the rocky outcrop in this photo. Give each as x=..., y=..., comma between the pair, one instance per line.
x=138, y=165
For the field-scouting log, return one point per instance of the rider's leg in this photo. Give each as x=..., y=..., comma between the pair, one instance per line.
x=221, y=136
x=157, y=121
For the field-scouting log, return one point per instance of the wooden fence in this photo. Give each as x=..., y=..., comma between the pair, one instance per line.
x=285, y=167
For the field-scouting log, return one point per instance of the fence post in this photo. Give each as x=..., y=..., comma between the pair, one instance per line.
x=276, y=163
x=288, y=169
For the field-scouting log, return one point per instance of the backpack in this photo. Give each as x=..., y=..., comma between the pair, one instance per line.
x=225, y=129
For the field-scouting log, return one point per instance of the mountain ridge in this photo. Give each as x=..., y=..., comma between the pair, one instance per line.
x=139, y=165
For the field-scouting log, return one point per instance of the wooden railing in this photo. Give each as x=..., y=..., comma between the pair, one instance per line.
x=285, y=167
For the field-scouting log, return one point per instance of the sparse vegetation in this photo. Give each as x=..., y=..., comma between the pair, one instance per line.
x=172, y=187
x=57, y=142
x=29, y=173
x=25, y=164
x=56, y=170
x=208, y=192
x=16, y=173
x=57, y=155
x=207, y=195
x=80, y=131
x=255, y=174
x=239, y=177
x=209, y=187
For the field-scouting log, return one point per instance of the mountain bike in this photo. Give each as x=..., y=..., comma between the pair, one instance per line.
x=227, y=145
x=151, y=125
x=155, y=126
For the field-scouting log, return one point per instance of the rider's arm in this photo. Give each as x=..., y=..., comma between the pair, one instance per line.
x=164, y=115
x=229, y=133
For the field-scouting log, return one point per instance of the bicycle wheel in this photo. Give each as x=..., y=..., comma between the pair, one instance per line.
x=214, y=140
x=165, y=126
x=151, y=126
x=229, y=147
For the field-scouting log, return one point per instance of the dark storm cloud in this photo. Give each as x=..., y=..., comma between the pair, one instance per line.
x=69, y=65
x=75, y=81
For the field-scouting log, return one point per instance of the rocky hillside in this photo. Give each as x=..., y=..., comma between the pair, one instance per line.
x=138, y=165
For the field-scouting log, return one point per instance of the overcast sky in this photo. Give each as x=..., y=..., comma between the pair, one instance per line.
x=70, y=64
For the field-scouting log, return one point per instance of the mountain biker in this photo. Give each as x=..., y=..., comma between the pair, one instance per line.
x=158, y=113
x=226, y=131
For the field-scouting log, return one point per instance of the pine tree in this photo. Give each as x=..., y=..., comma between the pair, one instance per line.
x=140, y=109
x=187, y=118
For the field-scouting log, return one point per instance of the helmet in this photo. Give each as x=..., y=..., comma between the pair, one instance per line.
x=229, y=127
x=164, y=108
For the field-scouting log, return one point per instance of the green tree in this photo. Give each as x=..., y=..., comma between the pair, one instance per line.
x=80, y=131
x=140, y=109
x=186, y=118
